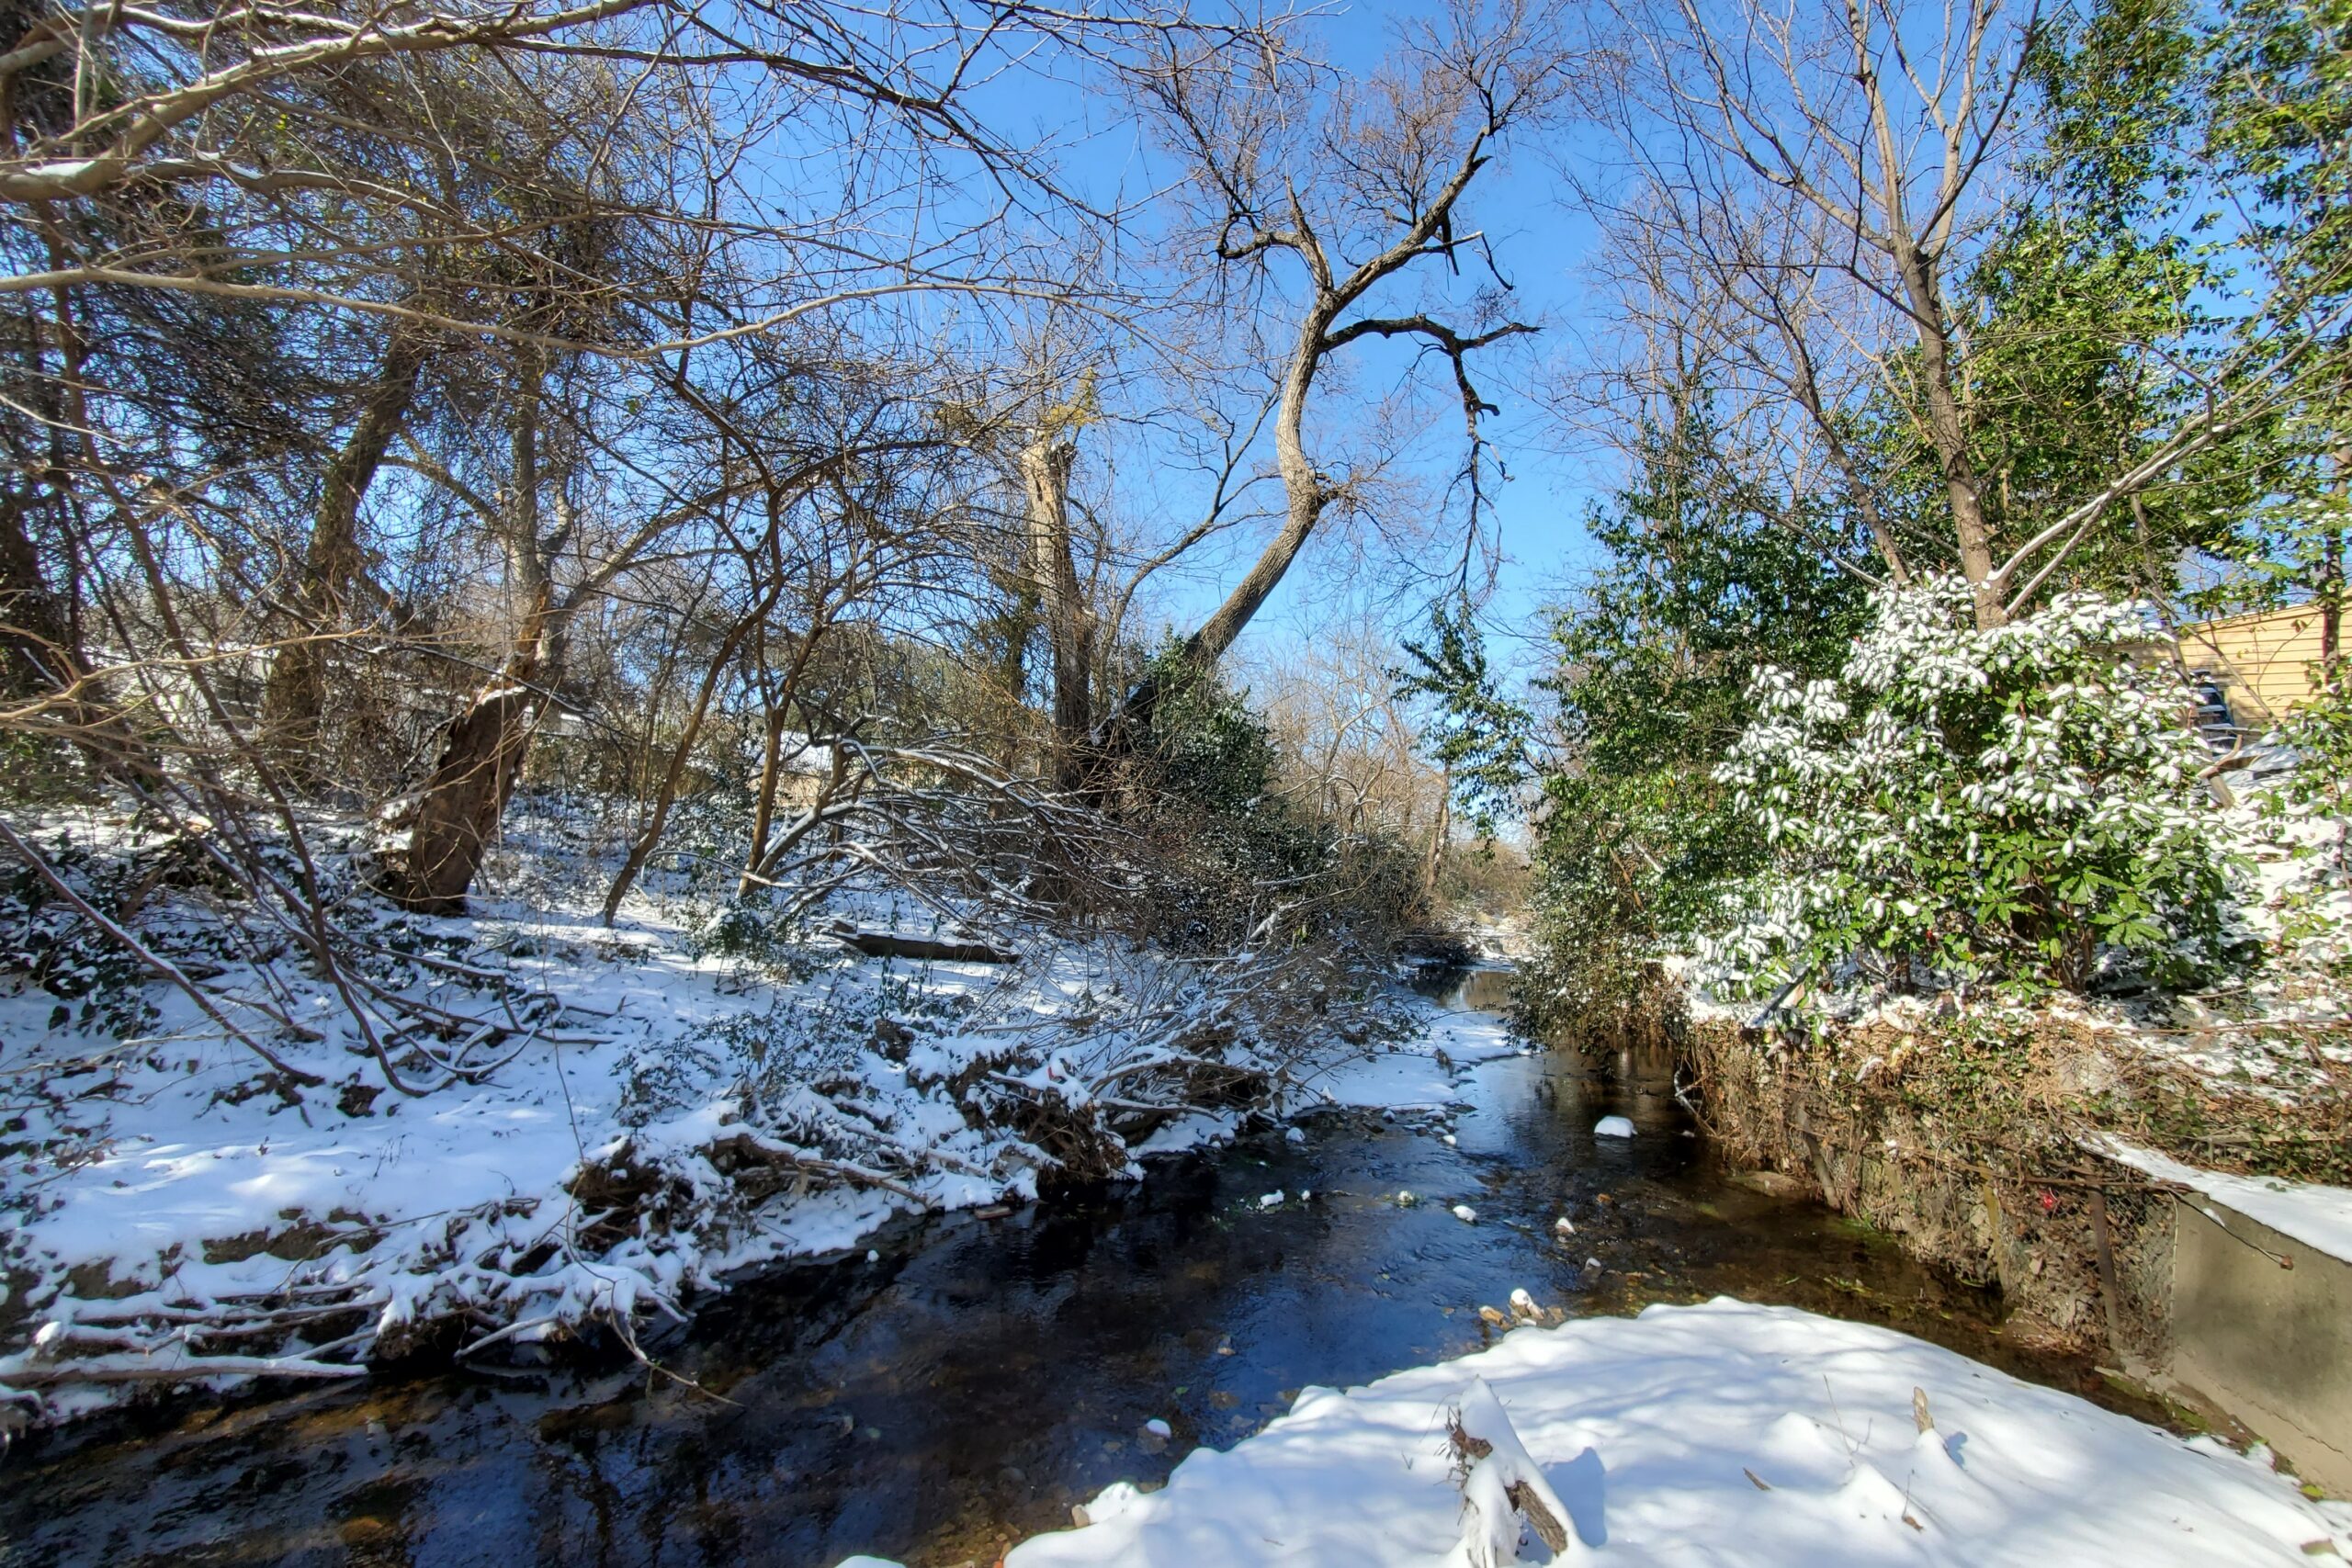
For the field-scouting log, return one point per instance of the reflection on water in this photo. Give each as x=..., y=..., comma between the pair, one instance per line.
x=1480, y=989
x=980, y=1377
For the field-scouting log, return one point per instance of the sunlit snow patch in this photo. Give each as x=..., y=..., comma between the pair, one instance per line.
x=1727, y=1433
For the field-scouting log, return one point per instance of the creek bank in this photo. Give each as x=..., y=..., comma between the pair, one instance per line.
x=609, y=1125
x=965, y=1385
x=1987, y=1153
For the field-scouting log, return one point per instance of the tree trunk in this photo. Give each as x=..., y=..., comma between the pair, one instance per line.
x=1306, y=494
x=1013, y=628
x=1948, y=432
x=2330, y=595
x=295, y=699
x=779, y=718
x=1440, y=834
x=666, y=795
x=40, y=638
x=764, y=808
x=457, y=814
x=1917, y=256
x=2329, y=590
x=35, y=631
x=1044, y=473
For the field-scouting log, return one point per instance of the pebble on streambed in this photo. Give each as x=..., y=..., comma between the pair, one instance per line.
x=1523, y=1310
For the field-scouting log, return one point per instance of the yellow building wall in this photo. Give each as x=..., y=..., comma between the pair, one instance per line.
x=2262, y=659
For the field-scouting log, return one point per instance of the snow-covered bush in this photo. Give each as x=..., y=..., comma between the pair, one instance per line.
x=2018, y=805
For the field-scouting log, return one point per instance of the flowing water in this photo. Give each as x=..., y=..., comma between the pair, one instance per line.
x=971, y=1382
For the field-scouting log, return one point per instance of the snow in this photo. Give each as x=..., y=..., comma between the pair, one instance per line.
x=1414, y=1075
x=1612, y=1127
x=1725, y=1434
x=1198, y=1130
x=2319, y=1217
x=1465, y=1213
x=174, y=1181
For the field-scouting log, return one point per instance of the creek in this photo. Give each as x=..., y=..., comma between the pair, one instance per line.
x=968, y=1380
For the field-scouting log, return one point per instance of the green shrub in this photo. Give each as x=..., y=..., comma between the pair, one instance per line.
x=2019, y=806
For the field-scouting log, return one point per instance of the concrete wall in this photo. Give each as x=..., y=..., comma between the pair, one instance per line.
x=2271, y=1345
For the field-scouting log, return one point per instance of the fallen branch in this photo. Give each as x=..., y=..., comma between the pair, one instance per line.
x=1500, y=1484
x=143, y=1369
x=753, y=1149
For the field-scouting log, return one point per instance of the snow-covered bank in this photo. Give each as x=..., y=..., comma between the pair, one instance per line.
x=2263, y=1049
x=1420, y=1074
x=615, y=1118
x=1722, y=1434
x=1959, y=1116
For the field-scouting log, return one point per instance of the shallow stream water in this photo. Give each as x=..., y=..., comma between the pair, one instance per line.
x=968, y=1385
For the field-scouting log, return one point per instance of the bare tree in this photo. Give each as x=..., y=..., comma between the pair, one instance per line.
x=1802, y=196
x=1350, y=748
x=343, y=248
x=1356, y=189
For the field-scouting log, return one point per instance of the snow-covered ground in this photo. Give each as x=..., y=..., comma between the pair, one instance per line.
x=1420, y=1076
x=652, y=1111
x=182, y=1187
x=1722, y=1434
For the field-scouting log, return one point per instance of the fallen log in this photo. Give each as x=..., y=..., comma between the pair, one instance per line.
x=888, y=944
